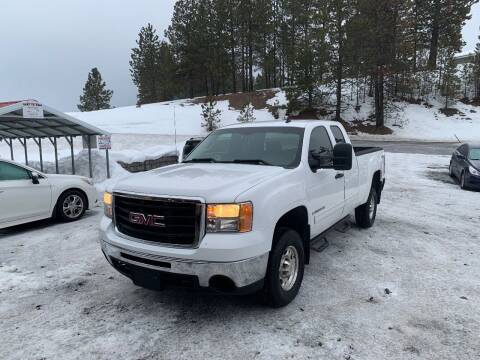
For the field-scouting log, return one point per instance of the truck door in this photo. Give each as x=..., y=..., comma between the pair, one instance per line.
x=325, y=188
x=351, y=176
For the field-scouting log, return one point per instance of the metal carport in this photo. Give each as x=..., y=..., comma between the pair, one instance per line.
x=29, y=119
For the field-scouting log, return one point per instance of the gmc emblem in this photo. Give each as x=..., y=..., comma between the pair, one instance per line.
x=145, y=219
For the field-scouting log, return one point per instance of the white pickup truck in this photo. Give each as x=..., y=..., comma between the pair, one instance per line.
x=239, y=213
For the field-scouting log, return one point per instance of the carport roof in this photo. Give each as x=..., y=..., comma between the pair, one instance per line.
x=14, y=125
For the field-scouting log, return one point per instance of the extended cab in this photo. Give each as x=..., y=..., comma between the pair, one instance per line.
x=239, y=213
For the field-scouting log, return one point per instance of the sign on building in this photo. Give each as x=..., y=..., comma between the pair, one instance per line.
x=32, y=110
x=104, y=142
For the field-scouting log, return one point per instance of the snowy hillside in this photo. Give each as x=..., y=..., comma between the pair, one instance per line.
x=407, y=121
x=159, y=118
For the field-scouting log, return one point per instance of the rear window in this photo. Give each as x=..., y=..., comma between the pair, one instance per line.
x=337, y=134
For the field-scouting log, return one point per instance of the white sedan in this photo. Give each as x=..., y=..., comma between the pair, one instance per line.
x=27, y=195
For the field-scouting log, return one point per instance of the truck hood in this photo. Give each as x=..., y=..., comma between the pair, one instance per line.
x=210, y=182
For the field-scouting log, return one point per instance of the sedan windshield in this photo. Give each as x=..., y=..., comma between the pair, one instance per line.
x=474, y=154
x=271, y=146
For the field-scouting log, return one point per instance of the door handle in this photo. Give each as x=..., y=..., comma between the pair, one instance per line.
x=339, y=176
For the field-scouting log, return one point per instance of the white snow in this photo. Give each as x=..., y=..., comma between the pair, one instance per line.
x=161, y=118
x=408, y=121
x=60, y=299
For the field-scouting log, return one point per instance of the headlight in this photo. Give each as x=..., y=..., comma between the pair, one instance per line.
x=88, y=181
x=108, y=204
x=230, y=217
x=473, y=171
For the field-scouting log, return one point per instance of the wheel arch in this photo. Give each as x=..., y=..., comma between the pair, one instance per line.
x=296, y=219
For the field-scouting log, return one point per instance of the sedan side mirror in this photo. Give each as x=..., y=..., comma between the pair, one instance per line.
x=35, y=176
x=342, y=157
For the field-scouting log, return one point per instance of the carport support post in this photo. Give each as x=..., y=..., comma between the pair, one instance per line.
x=56, y=154
x=108, y=163
x=39, y=143
x=70, y=141
x=90, y=157
x=54, y=143
x=41, y=155
x=10, y=144
x=24, y=143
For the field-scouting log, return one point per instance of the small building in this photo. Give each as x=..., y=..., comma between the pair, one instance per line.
x=28, y=119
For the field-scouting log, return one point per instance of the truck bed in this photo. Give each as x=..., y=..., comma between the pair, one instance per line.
x=362, y=150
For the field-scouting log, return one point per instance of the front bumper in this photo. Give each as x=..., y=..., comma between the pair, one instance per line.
x=149, y=270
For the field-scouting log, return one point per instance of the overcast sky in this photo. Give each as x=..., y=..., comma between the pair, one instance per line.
x=47, y=47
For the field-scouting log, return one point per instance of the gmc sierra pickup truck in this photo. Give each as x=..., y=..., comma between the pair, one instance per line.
x=239, y=213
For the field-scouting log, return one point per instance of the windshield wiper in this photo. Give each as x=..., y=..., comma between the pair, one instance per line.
x=252, y=161
x=201, y=160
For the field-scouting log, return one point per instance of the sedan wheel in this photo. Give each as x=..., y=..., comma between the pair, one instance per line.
x=73, y=206
x=462, y=180
x=450, y=169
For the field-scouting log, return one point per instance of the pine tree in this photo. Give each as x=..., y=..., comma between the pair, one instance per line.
x=95, y=94
x=476, y=70
x=210, y=115
x=246, y=114
x=144, y=65
x=451, y=80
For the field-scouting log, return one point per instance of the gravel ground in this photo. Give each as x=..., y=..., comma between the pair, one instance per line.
x=406, y=289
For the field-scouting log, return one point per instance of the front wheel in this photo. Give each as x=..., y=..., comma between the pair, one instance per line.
x=285, y=268
x=365, y=214
x=462, y=181
x=71, y=205
x=450, y=170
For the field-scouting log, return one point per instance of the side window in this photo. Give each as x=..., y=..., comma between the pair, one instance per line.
x=337, y=134
x=320, y=145
x=12, y=172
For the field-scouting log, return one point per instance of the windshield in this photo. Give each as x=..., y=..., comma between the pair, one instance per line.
x=474, y=154
x=274, y=146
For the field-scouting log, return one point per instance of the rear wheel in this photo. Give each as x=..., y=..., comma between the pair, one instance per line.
x=71, y=205
x=285, y=268
x=365, y=214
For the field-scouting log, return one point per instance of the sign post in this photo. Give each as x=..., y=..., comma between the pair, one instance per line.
x=105, y=143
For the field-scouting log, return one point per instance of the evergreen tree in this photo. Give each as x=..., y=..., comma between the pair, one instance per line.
x=246, y=114
x=476, y=70
x=451, y=80
x=95, y=94
x=144, y=65
x=210, y=115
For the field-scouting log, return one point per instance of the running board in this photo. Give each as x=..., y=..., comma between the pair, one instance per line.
x=319, y=243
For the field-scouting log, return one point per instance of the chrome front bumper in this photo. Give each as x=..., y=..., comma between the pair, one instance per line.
x=243, y=273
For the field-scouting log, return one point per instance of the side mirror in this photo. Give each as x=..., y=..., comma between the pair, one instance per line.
x=35, y=176
x=461, y=156
x=342, y=157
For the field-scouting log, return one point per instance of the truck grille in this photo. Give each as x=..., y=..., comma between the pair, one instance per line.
x=160, y=220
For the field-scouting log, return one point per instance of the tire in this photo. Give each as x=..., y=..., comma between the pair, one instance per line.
x=281, y=287
x=71, y=206
x=462, y=181
x=365, y=214
x=450, y=170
